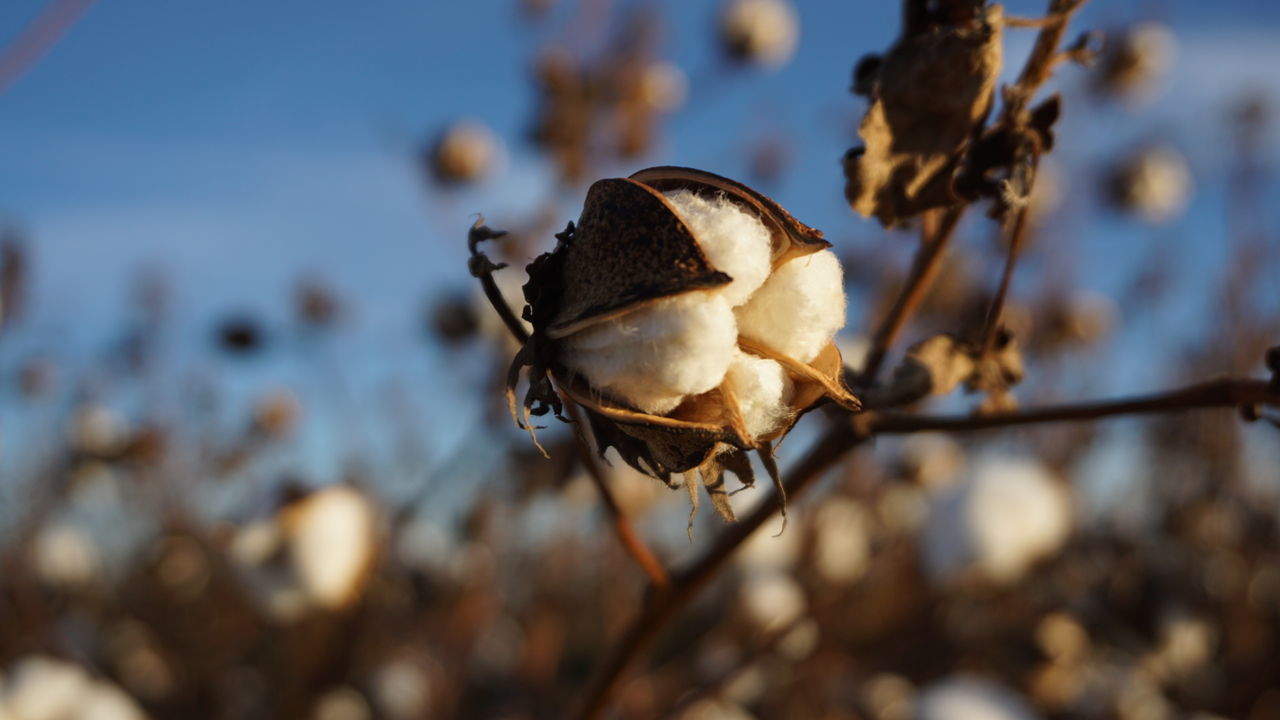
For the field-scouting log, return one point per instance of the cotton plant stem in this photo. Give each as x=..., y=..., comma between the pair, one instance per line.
x=686, y=584
x=622, y=527
x=1016, y=238
x=1044, y=55
x=924, y=269
x=1214, y=394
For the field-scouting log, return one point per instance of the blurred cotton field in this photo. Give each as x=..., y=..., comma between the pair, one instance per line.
x=256, y=459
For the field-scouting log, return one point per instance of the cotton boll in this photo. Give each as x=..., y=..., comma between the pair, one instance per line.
x=736, y=242
x=842, y=550
x=42, y=688
x=763, y=390
x=772, y=600
x=961, y=697
x=799, y=308
x=331, y=544
x=1008, y=515
x=654, y=356
x=104, y=701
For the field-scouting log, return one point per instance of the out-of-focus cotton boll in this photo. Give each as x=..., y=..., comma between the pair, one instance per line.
x=463, y=153
x=768, y=549
x=969, y=698
x=763, y=390
x=772, y=600
x=843, y=547
x=331, y=544
x=1136, y=60
x=342, y=703
x=759, y=31
x=104, y=701
x=715, y=710
x=65, y=556
x=663, y=86
x=1008, y=515
x=402, y=690
x=736, y=242
x=654, y=356
x=799, y=308
x=932, y=460
x=97, y=430
x=1155, y=184
x=42, y=688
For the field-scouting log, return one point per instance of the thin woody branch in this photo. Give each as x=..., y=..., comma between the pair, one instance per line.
x=1219, y=393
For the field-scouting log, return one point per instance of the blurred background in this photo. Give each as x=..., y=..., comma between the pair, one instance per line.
x=254, y=458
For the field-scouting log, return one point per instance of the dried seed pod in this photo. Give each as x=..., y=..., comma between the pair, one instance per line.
x=928, y=94
x=636, y=320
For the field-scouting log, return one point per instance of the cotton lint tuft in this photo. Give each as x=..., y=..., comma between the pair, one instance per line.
x=799, y=308
x=655, y=355
x=735, y=242
x=763, y=391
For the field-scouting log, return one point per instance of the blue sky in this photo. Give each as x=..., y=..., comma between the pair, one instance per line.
x=237, y=144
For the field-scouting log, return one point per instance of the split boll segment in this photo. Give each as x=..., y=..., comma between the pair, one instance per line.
x=692, y=319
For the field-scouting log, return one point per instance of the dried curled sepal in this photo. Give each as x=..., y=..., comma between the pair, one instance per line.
x=628, y=248
x=823, y=378
x=791, y=238
x=929, y=94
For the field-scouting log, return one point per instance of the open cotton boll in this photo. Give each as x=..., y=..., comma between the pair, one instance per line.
x=763, y=390
x=332, y=544
x=963, y=697
x=654, y=356
x=1005, y=517
x=736, y=242
x=799, y=308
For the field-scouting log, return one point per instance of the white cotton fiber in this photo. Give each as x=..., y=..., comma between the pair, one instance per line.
x=1007, y=515
x=654, y=356
x=763, y=390
x=799, y=308
x=736, y=242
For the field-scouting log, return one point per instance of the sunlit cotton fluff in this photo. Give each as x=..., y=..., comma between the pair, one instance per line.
x=762, y=389
x=961, y=697
x=1008, y=515
x=799, y=308
x=736, y=242
x=331, y=544
x=654, y=356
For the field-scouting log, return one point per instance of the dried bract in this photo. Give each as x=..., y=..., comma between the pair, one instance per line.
x=928, y=94
x=691, y=317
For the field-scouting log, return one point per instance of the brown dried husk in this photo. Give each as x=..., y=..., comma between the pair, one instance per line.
x=933, y=90
x=630, y=249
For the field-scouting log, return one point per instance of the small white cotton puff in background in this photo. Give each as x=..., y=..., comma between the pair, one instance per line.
x=65, y=556
x=43, y=688
x=760, y=31
x=799, y=308
x=962, y=697
x=735, y=242
x=842, y=545
x=654, y=356
x=772, y=600
x=1009, y=514
x=331, y=544
x=762, y=389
